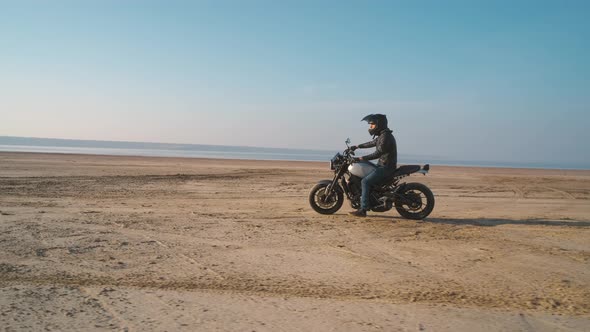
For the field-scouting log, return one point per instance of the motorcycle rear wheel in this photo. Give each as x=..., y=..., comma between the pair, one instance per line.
x=323, y=204
x=418, y=204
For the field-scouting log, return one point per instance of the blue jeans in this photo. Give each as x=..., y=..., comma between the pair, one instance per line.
x=374, y=178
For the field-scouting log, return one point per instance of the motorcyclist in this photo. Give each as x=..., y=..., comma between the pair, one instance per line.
x=385, y=150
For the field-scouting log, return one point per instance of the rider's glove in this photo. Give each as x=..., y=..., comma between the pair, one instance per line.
x=354, y=147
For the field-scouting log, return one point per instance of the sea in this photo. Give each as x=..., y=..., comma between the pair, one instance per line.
x=121, y=148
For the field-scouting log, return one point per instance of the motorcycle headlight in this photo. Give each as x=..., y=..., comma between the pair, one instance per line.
x=336, y=161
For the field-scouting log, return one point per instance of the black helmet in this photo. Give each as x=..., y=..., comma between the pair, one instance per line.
x=380, y=121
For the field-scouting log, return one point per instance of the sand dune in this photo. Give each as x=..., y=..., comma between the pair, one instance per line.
x=137, y=243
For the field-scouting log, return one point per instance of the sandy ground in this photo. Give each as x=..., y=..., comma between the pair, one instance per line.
x=170, y=244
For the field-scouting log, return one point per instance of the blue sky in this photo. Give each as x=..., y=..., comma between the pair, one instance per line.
x=470, y=80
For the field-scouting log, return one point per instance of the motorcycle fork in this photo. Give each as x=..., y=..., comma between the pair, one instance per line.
x=331, y=186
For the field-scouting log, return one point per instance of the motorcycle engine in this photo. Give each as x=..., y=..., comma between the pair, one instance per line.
x=354, y=184
x=379, y=202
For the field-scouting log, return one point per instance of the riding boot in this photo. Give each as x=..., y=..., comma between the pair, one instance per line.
x=358, y=213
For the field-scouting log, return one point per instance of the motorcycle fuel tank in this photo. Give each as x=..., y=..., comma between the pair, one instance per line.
x=361, y=169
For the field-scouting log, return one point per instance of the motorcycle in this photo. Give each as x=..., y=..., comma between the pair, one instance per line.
x=411, y=200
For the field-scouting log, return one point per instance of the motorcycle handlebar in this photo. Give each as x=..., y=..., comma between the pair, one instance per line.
x=349, y=155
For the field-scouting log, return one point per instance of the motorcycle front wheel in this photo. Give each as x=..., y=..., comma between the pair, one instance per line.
x=322, y=203
x=415, y=202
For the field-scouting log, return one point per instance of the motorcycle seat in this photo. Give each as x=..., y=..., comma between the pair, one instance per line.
x=403, y=170
x=406, y=169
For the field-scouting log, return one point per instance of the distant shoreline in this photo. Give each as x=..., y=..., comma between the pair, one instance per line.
x=187, y=150
x=283, y=163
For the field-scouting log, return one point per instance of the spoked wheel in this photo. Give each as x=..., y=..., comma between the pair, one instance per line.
x=323, y=203
x=415, y=202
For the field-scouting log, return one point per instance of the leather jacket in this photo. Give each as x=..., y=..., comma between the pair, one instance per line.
x=385, y=149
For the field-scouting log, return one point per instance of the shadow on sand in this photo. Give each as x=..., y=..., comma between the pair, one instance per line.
x=496, y=222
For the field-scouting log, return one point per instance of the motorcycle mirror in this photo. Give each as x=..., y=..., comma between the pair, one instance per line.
x=347, y=141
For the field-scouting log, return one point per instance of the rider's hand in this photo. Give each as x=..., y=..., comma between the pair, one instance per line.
x=354, y=147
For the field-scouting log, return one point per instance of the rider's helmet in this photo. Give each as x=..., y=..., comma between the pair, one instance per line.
x=380, y=121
